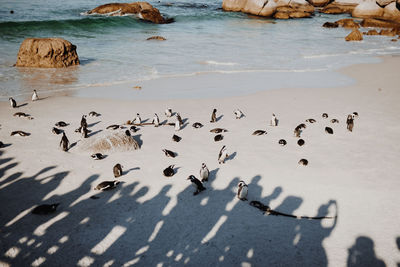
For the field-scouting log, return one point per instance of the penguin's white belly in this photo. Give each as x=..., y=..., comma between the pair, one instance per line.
x=204, y=174
x=242, y=192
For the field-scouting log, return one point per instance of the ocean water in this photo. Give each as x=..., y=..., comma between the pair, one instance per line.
x=203, y=39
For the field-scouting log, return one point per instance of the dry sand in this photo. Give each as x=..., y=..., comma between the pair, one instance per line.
x=151, y=220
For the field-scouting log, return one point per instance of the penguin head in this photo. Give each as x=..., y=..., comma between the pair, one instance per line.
x=128, y=133
x=215, y=110
x=241, y=184
x=171, y=166
x=203, y=165
x=191, y=178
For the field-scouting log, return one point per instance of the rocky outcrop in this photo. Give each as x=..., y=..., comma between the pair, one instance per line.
x=319, y=3
x=330, y=25
x=372, y=32
x=367, y=9
x=355, y=35
x=383, y=3
x=391, y=12
x=143, y=10
x=379, y=23
x=339, y=7
x=47, y=53
x=348, y=23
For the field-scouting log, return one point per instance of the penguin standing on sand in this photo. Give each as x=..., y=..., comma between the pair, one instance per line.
x=204, y=173
x=223, y=155
x=137, y=120
x=350, y=122
x=64, y=143
x=83, y=122
x=176, y=138
x=156, y=120
x=84, y=131
x=35, y=96
x=196, y=184
x=238, y=114
x=117, y=169
x=274, y=120
x=242, y=191
x=179, y=118
x=214, y=116
x=107, y=185
x=177, y=124
x=13, y=103
x=169, y=171
x=168, y=112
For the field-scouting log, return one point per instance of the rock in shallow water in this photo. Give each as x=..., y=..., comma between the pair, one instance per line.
x=355, y=35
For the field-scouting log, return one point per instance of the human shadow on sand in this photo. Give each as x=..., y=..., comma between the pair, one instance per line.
x=362, y=253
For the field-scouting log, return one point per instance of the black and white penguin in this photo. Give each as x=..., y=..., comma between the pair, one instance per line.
x=355, y=114
x=56, y=131
x=334, y=121
x=169, y=171
x=24, y=115
x=238, y=114
x=196, y=184
x=13, y=103
x=35, y=96
x=61, y=124
x=259, y=132
x=325, y=115
x=137, y=120
x=20, y=133
x=297, y=132
x=45, y=209
x=156, y=120
x=218, y=130
x=117, y=169
x=300, y=142
x=274, y=120
x=178, y=123
x=214, y=116
x=350, y=122
x=301, y=126
x=168, y=112
x=97, y=156
x=311, y=120
x=176, y=138
x=282, y=142
x=113, y=127
x=204, y=173
x=85, y=132
x=179, y=118
x=303, y=162
x=218, y=137
x=107, y=185
x=64, y=143
x=242, y=191
x=83, y=122
x=197, y=125
x=328, y=130
x=169, y=153
x=94, y=114
x=134, y=129
x=223, y=155
x=128, y=133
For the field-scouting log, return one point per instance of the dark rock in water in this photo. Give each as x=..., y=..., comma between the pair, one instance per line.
x=47, y=53
x=330, y=25
x=45, y=209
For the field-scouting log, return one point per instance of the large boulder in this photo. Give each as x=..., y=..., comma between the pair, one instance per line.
x=355, y=35
x=47, y=53
x=383, y=3
x=264, y=8
x=390, y=12
x=320, y=3
x=348, y=23
x=143, y=10
x=367, y=9
x=340, y=7
x=233, y=5
x=379, y=23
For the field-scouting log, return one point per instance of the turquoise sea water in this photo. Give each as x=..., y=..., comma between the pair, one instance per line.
x=203, y=38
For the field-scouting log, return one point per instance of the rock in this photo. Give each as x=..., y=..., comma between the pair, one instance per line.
x=143, y=10
x=394, y=40
x=47, y=53
x=233, y=5
x=254, y=6
x=355, y=35
x=330, y=25
x=383, y=3
x=302, y=6
x=379, y=23
x=367, y=9
x=390, y=12
x=299, y=14
x=158, y=38
x=372, y=32
x=319, y=3
x=269, y=9
x=281, y=15
x=348, y=23
x=391, y=32
x=339, y=8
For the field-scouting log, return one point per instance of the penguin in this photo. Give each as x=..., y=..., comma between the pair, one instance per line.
x=169, y=171
x=56, y=131
x=1, y=144
x=334, y=121
x=35, y=96
x=45, y=209
x=20, y=133
x=21, y=114
x=238, y=114
x=303, y=162
x=61, y=124
x=169, y=153
x=97, y=156
x=13, y=103
x=350, y=122
x=113, y=127
x=83, y=122
x=218, y=137
x=223, y=155
x=197, y=125
x=311, y=120
x=282, y=142
x=196, y=184
x=134, y=129
x=128, y=133
x=300, y=142
x=324, y=115
x=64, y=143
x=214, y=116
x=301, y=126
x=242, y=191
x=274, y=120
x=259, y=132
x=85, y=132
x=179, y=118
x=94, y=114
x=107, y=185
x=355, y=114
x=204, y=173
x=117, y=169
x=297, y=132
x=218, y=130
x=168, y=112
x=176, y=138
x=177, y=125
x=328, y=130
x=137, y=120
x=156, y=120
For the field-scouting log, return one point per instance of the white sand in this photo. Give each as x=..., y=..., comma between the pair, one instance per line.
x=149, y=219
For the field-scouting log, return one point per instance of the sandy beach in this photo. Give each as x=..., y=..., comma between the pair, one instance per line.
x=151, y=220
